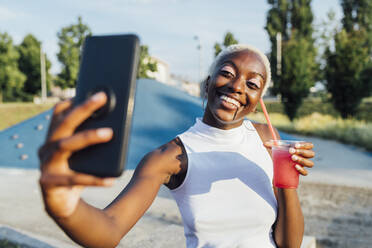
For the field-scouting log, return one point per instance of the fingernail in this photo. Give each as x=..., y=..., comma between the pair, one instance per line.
x=98, y=96
x=108, y=181
x=298, y=167
x=292, y=150
x=294, y=157
x=104, y=132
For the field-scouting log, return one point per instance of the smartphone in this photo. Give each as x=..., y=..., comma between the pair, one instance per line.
x=109, y=63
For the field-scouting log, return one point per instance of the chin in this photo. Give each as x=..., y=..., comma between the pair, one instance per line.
x=226, y=118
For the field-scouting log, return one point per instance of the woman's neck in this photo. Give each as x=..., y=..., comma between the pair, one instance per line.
x=212, y=120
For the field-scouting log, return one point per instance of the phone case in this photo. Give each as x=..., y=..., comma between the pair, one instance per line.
x=109, y=64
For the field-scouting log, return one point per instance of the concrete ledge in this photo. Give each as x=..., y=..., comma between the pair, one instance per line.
x=29, y=240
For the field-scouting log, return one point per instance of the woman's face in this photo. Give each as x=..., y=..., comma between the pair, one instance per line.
x=234, y=89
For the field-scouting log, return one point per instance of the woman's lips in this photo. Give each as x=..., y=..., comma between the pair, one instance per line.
x=229, y=103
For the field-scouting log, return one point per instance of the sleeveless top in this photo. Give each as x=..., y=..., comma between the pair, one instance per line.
x=226, y=198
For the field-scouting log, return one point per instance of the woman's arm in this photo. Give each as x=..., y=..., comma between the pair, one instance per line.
x=289, y=225
x=61, y=187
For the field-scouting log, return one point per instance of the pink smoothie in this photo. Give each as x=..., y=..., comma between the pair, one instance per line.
x=285, y=174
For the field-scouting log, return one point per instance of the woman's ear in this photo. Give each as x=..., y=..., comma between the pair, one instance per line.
x=207, y=84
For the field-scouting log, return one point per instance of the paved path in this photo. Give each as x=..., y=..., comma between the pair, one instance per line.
x=340, y=164
x=21, y=211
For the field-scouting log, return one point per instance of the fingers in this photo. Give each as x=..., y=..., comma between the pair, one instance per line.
x=301, y=170
x=62, y=106
x=85, y=138
x=59, y=109
x=74, y=179
x=304, y=145
x=78, y=115
x=302, y=161
x=53, y=154
x=269, y=144
x=302, y=152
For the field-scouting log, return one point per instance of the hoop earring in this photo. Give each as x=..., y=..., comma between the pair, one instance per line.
x=203, y=102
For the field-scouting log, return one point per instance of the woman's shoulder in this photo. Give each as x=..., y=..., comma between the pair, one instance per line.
x=169, y=159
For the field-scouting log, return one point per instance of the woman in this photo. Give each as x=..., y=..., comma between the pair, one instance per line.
x=218, y=171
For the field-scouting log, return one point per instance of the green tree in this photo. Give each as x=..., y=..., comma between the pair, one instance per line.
x=357, y=14
x=228, y=40
x=11, y=79
x=299, y=69
x=71, y=39
x=277, y=22
x=297, y=73
x=29, y=64
x=146, y=64
x=349, y=67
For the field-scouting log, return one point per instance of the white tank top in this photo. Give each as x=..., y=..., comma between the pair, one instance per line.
x=226, y=199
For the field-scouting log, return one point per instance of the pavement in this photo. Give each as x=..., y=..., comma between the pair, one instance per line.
x=24, y=221
x=339, y=164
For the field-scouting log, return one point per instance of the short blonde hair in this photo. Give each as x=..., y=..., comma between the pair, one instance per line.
x=243, y=47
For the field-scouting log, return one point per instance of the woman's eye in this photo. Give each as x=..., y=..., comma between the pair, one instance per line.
x=226, y=74
x=227, y=71
x=251, y=84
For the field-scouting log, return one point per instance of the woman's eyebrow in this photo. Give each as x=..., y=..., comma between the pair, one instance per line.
x=236, y=68
x=258, y=74
x=230, y=63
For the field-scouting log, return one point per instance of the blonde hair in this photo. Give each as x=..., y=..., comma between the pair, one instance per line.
x=242, y=47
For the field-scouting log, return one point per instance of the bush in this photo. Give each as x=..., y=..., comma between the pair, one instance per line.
x=310, y=106
x=349, y=131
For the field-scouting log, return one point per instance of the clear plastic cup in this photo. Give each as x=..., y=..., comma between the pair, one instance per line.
x=285, y=173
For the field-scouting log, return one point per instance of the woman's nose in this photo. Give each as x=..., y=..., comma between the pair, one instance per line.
x=238, y=85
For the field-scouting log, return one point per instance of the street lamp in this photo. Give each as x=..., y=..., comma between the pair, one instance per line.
x=43, y=76
x=199, y=47
x=279, y=53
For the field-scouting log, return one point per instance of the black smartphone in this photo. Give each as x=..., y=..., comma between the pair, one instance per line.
x=109, y=63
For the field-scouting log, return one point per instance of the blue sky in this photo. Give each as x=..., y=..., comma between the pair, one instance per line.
x=168, y=27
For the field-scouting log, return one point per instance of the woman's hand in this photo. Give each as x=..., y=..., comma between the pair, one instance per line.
x=61, y=186
x=301, y=155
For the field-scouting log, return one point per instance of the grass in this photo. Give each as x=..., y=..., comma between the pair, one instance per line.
x=349, y=131
x=13, y=113
x=6, y=244
x=312, y=105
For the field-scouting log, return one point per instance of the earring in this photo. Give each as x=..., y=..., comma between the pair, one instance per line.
x=205, y=94
x=204, y=98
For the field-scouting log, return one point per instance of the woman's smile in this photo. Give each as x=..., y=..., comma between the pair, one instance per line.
x=229, y=102
x=234, y=89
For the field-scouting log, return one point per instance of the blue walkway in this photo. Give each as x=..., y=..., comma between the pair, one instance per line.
x=161, y=112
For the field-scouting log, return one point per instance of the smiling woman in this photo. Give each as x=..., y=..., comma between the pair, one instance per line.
x=239, y=76
x=219, y=171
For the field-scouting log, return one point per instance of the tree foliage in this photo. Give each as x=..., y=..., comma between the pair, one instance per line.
x=228, y=40
x=146, y=64
x=11, y=79
x=349, y=66
x=71, y=39
x=29, y=64
x=357, y=14
x=293, y=19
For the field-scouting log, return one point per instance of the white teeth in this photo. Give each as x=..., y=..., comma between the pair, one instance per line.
x=230, y=100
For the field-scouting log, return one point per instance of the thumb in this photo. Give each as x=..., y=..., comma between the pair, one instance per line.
x=268, y=144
